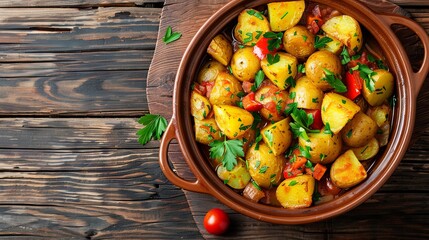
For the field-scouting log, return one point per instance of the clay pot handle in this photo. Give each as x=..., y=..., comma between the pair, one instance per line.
x=419, y=76
x=168, y=136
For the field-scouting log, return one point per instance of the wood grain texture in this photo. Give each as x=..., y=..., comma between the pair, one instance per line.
x=80, y=3
x=399, y=210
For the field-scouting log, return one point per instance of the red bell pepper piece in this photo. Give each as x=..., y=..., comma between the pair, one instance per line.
x=250, y=104
x=354, y=85
x=247, y=86
x=317, y=118
x=261, y=48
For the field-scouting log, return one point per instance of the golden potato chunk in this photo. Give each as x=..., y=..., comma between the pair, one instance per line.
x=245, y=64
x=318, y=63
x=335, y=46
x=299, y=42
x=225, y=90
x=251, y=26
x=347, y=30
x=307, y=95
x=206, y=131
x=209, y=71
x=281, y=72
x=237, y=178
x=337, y=110
x=368, y=151
x=220, y=49
x=380, y=114
x=359, y=130
x=277, y=136
x=265, y=168
x=296, y=192
x=284, y=15
x=324, y=148
x=347, y=171
x=383, y=88
x=200, y=106
x=233, y=121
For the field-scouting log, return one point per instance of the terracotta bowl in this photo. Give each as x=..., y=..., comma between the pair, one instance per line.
x=408, y=84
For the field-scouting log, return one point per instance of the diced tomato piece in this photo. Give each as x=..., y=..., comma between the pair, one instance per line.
x=319, y=171
x=261, y=48
x=199, y=89
x=317, y=118
x=314, y=23
x=208, y=86
x=247, y=86
x=354, y=85
x=250, y=104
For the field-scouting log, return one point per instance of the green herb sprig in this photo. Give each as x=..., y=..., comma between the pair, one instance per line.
x=171, y=36
x=154, y=127
x=227, y=151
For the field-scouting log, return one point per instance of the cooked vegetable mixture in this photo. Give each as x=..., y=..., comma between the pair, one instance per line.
x=292, y=106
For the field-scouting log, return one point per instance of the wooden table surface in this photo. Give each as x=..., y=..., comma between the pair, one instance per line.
x=74, y=80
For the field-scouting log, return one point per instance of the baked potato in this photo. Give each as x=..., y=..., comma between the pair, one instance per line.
x=277, y=136
x=200, y=106
x=206, y=131
x=237, y=178
x=337, y=110
x=296, y=192
x=383, y=88
x=368, y=151
x=265, y=168
x=307, y=95
x=318, y=63
x=233, y=121
x=347, y=30
x=284, y=15
x=299, y=42
x=324, y=147
x=274, y=101
x=225, y=90
x=251, y=26
x=359, y=130
x=280, y=72
x=209, y=71
x=220, y=49
x=347, y=171
x=245, y=64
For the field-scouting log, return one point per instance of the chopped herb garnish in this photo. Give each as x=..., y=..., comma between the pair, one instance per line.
x=269, y=135
x=315, y=100
x=275, y=40
x=304, y=37
x=367, y=75
x=258, y=138
x=154, y=127
x=293, y=183
x=328, y=129
x=256, y=186
x=284, y=15
x=290, y=81
x=290, y=108
x=322, y=156
x=321, y=42
x=258, y=34
x=292, y=95
x=301, y=124
x=229, y=70
x=263, y=169
x=301, y=68
x=249, y=38
x=309, y=165
x=345, y=55
x=335, y=82
x=273, y=59
x=259, y=77
x=170, y=36
x=256, y=14
x=305, y=151
x=364, y=150
x=349, y=133
x=227, y=151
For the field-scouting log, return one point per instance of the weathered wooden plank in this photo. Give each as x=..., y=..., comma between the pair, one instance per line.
x=410, y=3
x=79, y=3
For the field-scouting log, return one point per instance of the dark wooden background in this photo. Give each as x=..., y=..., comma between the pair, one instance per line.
x=74, y=80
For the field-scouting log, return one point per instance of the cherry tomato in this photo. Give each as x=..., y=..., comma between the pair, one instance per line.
x=216, y=221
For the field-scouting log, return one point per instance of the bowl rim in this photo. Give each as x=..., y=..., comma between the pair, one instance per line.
x=385, y=165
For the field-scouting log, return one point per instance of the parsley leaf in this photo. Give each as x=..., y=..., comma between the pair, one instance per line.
x=335, y=82
x=301, y=124
x=273, y=59
x=269, y=135
x=255, y=13
x=171, y=36
x=259, y=77
x=155, y=126
x=293, y=183
x=345, y=55
x=301, y=68
x=227, y=151
x=321, y=42
x=328, y=129
x=275, y=40
x=366, y=74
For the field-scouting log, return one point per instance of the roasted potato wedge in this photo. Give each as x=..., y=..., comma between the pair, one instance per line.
x=277, y=136
x=337, y=110
x=368, y=151
x=359, y=130
x=265, y=168
x=220, y=49
x=347, y=30
x=209, y=71
x=380, y=114
x=299, y=42
x=245, y=64
x=324, y=148
x=280, y=72
x=251, y=25
x=347, y=171
x=318, y=63
x=284, y=15
x=233, y=121
x=225, y=90
x=335, y=46
x=296, y=192
x=200, y=106
x=307, y=95
x=206, y=131
x=383, y=85
x=237, y=178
